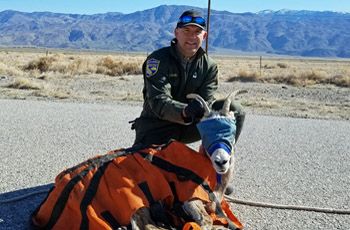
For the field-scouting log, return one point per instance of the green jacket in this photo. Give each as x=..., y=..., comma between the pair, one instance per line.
x=166, y=84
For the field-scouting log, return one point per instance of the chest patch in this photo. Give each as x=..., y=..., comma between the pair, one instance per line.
x=152, y=66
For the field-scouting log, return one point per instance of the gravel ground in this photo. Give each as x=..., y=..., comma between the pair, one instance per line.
x=279, y=159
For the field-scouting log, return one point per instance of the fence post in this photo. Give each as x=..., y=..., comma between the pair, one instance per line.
x=260, y=64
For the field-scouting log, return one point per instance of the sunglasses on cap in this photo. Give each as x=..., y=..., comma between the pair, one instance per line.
x=189, y=19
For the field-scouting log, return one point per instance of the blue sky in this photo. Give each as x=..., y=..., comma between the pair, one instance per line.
x=129, y=6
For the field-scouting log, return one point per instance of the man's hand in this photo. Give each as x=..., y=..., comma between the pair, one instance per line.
x=193, y=112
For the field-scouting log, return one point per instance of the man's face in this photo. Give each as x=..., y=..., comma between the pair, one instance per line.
x=189, y=39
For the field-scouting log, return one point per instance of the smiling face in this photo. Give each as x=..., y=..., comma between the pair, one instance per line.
x=189, y=39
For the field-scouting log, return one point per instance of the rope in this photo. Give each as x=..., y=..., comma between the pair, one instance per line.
x=233, y=200
x=290, y=207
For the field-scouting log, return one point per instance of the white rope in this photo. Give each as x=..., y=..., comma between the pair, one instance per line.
x=290, y=207
x=231, y=199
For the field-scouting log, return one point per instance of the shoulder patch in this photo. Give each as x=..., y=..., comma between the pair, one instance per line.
x=152, y=67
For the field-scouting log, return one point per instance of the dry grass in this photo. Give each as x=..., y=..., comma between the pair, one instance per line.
x=24, y=83
x=59, y=75
x=24, y=64
x=42, y=64
x=111, y=67
x=290, y=71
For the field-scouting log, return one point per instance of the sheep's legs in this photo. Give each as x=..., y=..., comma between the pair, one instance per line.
x=196, y=210
x=141, y=220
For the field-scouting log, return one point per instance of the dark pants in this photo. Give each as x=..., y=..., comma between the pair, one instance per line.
x=163, y=132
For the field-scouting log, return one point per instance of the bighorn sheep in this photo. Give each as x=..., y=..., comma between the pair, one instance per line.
x=219, y=146
x=143, y=185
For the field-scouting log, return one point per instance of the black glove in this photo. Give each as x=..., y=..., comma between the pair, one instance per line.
x=194, y=111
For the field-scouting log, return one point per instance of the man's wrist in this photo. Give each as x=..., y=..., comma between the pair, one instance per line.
x=185, y=118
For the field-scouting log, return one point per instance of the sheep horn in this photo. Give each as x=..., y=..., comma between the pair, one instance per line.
x=199, y=98
x=226, y=107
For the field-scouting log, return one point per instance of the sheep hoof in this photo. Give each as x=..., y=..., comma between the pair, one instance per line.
x=229, y=190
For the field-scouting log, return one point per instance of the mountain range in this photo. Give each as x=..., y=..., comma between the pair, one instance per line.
x=297, y=33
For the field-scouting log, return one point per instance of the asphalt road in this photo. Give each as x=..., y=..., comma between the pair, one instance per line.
x=279, y=160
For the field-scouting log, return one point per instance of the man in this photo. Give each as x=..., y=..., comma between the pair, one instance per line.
x=171, y=73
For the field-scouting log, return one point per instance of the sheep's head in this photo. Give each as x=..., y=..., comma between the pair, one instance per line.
x=218, y=137
x=220, y=157
x=217, y=130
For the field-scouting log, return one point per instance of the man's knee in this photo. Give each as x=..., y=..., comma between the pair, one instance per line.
x=190, y=134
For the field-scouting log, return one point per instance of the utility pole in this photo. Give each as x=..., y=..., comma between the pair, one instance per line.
x=208, y=25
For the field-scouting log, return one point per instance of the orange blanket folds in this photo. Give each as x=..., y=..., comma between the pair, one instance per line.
x=105, y=191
